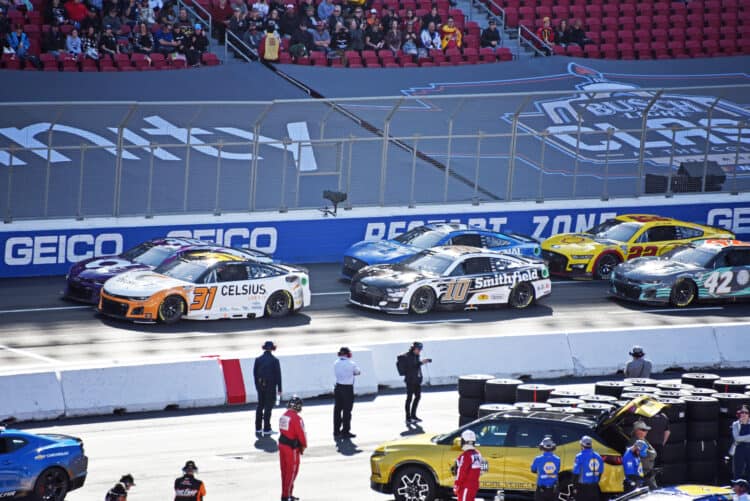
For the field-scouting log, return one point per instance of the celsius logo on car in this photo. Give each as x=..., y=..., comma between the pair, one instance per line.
x=60, y=249
x=243, y=290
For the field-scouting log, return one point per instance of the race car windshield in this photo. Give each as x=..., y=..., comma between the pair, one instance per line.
x=427, y=262
x=691, y=255
x=184, y=270
x=614, y=230
x=148, y=254
x=422, y=237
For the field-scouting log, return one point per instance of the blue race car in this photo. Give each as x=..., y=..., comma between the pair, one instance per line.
x=42, y=467
x=420, y=238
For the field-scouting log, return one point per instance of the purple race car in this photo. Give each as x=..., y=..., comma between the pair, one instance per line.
x=85, y=278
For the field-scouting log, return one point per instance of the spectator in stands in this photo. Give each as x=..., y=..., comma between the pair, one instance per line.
x=108, y=42
x=169, y=13
x=220, y=14
x=289, y=22
x=76, y=11
x=54, y=41
x=155, y=5
x=197, y=44
x=254, y=17
x=341, y=41
x=4, y=27
x=133, y=13
x=113, y=20
x=394, y=37
x=73, y=43
x=143, y=40
x=146, y=14
x=545, y=33
x=372, y=19
x=271, y=45
x=451, y=36
x=309, y=18
x=302, y=42
x=375, y=40
x=238, y=24
x=321, y=37
x=357, y=36
x=273, y=21
x=180, y=39
x=19, y=42
x=491, y=36
x=325, y=9
x=388, y=18
x=262, y=7
x=335, y=19
x=90, y=43
x=91, y=20
x=430, y=38
x=184, y=22
x=56, y=13
x=411, y=41
x=410, y=19
x=253, y=37
x=562, y=33
x=432, y=17
x=359, y=17
x=578, y=35
x=356, y=4
x=165, y=42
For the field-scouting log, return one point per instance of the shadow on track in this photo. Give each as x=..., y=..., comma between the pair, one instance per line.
x=210, y=326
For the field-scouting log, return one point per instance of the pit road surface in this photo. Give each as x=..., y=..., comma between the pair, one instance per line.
x=38, y=329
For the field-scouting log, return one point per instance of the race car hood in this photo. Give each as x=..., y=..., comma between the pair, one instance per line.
x=381, y=251
x=388, y=276
x=102, y=268
x=408, y=443
x=576, y=243
x=140, y=284
x=646, y=268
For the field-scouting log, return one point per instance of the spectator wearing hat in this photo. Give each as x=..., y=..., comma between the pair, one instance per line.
x=325, y=10
x=588, y=467
x=253, y=37
x=546, y=466
x=639, y=366
x=371, y=20
x=490, y=36
x=357, y=36
x=740, y=487
x=267, y=377
x=113, y=20
x=197, y=44
x=289, y=22
x=187, y=487
x=451, y=36
x=321, y=38
x=648, y=453
x=238, y=23
x=740, y=450
x=345, y=371
x=432, y=17
x=54, y=41
x=108, y=42
x=309, y=18
x=120, y=490
x=409, y=366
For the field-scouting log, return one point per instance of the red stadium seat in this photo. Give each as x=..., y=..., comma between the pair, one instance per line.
x=211, y=59
x=592, y=51
x=487, y=55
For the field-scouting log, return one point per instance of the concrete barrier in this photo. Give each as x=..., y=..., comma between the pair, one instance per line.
x=148, y=387
x=31, y=396
x=732, y=344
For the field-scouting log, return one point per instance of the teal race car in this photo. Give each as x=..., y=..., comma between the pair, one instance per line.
x=685, y=492
x=704, y=270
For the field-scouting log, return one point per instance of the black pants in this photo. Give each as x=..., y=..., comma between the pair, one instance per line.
x=413, y=395
x=741, y=461
x=587, y=492
x=343, y=396
x=546, y=493
x=266, y=401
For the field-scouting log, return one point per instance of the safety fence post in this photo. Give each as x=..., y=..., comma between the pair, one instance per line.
x=475, y=197
x=217, y=209
x=413, y=171
x=149, y=194
x=187, y=171
x=708, y=144
x=348, y=203
x=384, y=153
x=605, y=193
x=671, y=162
x=540, y=189
x=642, y=150
x=79, y=205
x=117, y=188
x=254, y=160
x=513, y=148
x=740, y=125
x=450, y=148
x=282, y=206
x=8, y=212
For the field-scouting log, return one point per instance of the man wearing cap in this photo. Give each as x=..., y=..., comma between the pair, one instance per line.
x=547, y=469
x=648, y=453
x=267, y=377
x=288, y=22
x=410, y=365
x=632, y=467
x=197, y=45
x=469, y=467
x=344, y=370
x=187, y=487
x=490, y=36
x=740, y=488
x=120, y=491
x=638, y=367
x=587, y=468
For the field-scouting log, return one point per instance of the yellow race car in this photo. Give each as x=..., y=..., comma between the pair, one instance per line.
x=596, y=252
x=418, y=468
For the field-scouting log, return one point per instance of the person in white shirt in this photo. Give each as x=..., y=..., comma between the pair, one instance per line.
x=740, y=488
x=344, y=370
x=430, y=37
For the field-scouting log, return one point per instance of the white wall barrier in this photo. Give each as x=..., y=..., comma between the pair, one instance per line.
x=134, y=388
x=30, y=396
x=732, y=342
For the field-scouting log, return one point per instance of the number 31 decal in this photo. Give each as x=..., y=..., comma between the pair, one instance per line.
x=203, y=298
x=719, y=282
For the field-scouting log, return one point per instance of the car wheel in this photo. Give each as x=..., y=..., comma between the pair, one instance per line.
x=279, y=304
x=413, y=483
x=683, y=293
x=51, y=485
x=171, y=309
x=604, y=266
x=521, y=296
x=422, y=301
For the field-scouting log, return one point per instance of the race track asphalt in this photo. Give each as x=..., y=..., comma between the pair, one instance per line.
x=38, y=329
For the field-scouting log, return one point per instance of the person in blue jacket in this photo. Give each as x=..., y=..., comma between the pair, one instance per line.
x=632, y=466
x=19, y=42
x=587, y=470
x=547, y=468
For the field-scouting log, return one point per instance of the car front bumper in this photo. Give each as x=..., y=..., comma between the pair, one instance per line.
x=656, y=294
x=126, y=308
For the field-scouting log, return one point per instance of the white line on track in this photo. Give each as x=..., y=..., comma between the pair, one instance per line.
x=28, y=354
x=53, y=308
x=335, y=293
x=447, y=320
x=668, y=310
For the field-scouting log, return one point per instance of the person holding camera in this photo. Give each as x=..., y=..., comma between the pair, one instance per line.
x=409, y=366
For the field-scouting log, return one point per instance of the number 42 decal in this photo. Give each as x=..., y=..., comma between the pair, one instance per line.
x=719, y=282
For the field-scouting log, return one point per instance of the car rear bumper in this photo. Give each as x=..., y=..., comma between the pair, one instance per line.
x=82, y=291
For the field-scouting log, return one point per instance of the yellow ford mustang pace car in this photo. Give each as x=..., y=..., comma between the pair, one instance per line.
x=596, y=252
x=418, y=468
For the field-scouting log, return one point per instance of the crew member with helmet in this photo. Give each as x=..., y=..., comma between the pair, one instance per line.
x=547, y=468
x=409, y=365
x=187, y=487
x=120, y=490
x=587, y=469
x=740, y=487
x=469, y=466
x=632, y=466
x=292, y=444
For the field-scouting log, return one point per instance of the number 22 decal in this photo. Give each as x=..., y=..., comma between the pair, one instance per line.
x=640, y=251
x=719, y=282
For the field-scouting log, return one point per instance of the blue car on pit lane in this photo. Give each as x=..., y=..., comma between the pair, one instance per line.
x=416, y=240
x=40, y=467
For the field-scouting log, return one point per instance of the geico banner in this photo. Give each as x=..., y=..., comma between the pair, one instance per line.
x=319, y=239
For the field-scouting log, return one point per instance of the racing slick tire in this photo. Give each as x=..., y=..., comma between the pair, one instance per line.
x=171, y=309
x=730, y=403
x=604, y=266
x=684, y=292
x=51, y=485
x=701, y=450
x=678, y=433
x=279, y=304
x=610, y=388
x=701, y=431
x=422, y=301
x=473, y=385
x=413, y=483
x=674, y=453
x=469, y=407
x=700, y=379
x=676, y=409
x=522, y=296
x=701, y=408
x=489, y=409
x=501, y=391
x=533, y=392
x=729, y=386
x=673, y=473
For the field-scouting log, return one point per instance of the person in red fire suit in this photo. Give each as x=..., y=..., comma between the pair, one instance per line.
x=292, y=444
x=469, y=466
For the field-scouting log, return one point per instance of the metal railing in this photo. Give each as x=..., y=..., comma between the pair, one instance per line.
x=125, y=158
x=238, y=47
x=198, y=12
x=528, y=38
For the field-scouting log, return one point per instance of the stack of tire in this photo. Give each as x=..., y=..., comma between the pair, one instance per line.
x=731, y=398
x=673, y=455
x=702, y=436
x=471, y=396
x=499, y=396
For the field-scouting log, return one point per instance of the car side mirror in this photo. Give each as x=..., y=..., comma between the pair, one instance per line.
x=456, y=444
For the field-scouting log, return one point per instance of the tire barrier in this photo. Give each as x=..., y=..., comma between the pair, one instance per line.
x=610, y=388
x=699, y=379
x=489, y=409
x=501, y=391
x=533, y=392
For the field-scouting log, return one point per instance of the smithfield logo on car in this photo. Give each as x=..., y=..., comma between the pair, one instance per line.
x=505, y=279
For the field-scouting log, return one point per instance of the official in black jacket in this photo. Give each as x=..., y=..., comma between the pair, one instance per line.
x=267, y=376
x=412, y=367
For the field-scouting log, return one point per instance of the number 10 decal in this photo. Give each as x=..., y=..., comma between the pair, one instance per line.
x=719, y=282
x=456, y=291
